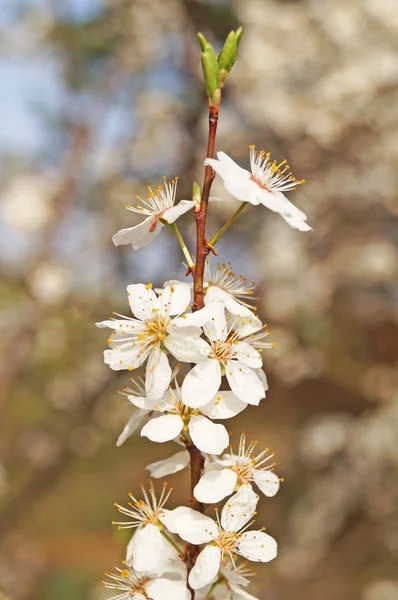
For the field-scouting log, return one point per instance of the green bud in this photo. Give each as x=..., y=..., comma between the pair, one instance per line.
x=211, y=71
x=227, y=56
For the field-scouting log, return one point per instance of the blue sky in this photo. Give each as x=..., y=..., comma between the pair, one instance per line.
x=30, y=83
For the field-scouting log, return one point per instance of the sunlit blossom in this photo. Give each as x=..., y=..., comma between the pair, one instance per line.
x=234, y=470
x=264, y=185
x=158, y=207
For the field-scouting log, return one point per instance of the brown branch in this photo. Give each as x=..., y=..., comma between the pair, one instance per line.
x=202, y=250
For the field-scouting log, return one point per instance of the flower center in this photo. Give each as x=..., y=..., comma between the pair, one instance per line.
x=222, y=350
x=156, y=329
x=228, y=542
x=244, y=469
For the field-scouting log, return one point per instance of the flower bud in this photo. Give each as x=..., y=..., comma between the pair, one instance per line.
x=227, y=56
x=211, y=70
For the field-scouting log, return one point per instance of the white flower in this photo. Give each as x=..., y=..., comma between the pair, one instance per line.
x=224, y=538
x=151, y=335
x=221, y=479
x=231, y=351
x=225, y=286
x=147, y=548
x=131, y=585
x=263, y=185
x=181, y=419
x=157, y=206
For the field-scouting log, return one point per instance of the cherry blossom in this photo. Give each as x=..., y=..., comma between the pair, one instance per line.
x=224, y=538
x=148, y=547
x=234, y=470
x=151, y=335
x=231, y=352
x=263, y=185
x=133, y=585
x=158, y=207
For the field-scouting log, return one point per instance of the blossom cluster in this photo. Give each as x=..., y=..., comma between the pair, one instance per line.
x=202, y=363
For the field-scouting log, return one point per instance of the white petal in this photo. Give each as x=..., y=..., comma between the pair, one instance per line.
x=243, y=189
x=132, y=235
x=263, y=378
x=132, y=425
x=127, y=356
x=206, y=567
x=258, y=546
x=239, y=509
x=248, y=356
x=295, y=217
x=158, y=374
x=215, y=485
x=174, y=299
x=171, y=214
x=170, y=465
x=267, y=481
x=214, y=310
x=201, y=384
x=208, y=436
x=164, y=589
x=244, y=383
x=190, y=525
x=186, y=347
x=142, y=300
x=145, y=549
x=248, y=325
x=224, y=406
x=163, y=429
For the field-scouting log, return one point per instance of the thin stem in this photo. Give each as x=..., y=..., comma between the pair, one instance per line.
x=166, y=536
x=202, y=248
x=228, y=224
x=183, y=246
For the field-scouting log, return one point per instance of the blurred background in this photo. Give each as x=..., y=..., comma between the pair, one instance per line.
x=99, y=98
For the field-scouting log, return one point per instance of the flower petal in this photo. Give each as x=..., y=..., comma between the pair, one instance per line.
x=244, y=383
x=224, y=406
x=158, y=374
x=267, y=481
x=239, y=509
x=127, y=356
x=215, y=485
x=258, y=546
x=171, y=214
x=185, y=346
x=208, y=436
x=174, y=299
x=132, y=425
x=214, y=310
x=292, y=215
x=142, y=300
x=190, y=525
x=201, y=384
x=170, y=465
x=248, y=356
x=206, y=567
x=163, y=429
x=133, y=235
x=145, y=548
x=164, y=589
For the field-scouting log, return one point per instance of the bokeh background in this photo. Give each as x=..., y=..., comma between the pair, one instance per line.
x=99, y=98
